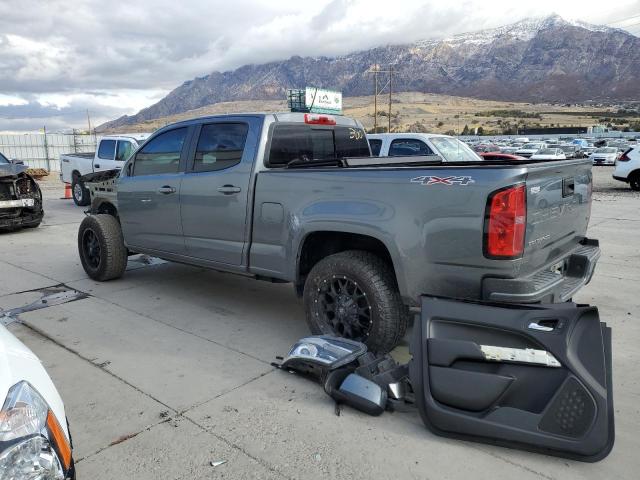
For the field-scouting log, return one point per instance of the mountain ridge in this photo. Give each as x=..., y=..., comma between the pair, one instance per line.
x=535, y=60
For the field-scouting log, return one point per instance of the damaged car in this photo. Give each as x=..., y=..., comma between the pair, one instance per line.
x=20, y=197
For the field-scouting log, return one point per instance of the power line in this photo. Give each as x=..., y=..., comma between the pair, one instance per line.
x=623, y=19
x=632, y=25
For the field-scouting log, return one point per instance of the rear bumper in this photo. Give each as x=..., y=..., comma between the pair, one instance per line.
x=547, y=286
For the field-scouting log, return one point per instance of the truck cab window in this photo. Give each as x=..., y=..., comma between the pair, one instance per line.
x=306, y=143
x=376, y=146
x=124, y=150
x=220, y=146
x=162, y=154
x=107, y=149
x=300, y=143
x=406, y=147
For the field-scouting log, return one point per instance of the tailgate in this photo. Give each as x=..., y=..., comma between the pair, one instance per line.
x=558, y=210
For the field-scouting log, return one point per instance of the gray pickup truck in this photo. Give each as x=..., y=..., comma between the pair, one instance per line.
x=297, y=198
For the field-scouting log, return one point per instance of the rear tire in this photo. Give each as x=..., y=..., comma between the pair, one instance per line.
x=79, y=192
x=353, y=294
x=101, y=247
x=634, y=182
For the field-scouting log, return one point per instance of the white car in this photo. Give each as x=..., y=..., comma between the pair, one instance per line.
x=529, y=149
x=628, y=168
x=450, y=149
x=111, y=154
x=34, y=435
x=549, y=154
x=604, y=156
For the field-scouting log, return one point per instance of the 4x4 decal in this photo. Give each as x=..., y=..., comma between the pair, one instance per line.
x=433, y=180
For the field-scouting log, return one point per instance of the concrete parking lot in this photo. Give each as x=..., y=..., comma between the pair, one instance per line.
x=168, y=369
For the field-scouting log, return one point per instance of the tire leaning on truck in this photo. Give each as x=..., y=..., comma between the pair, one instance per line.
x=353, y=294
x=101, y=247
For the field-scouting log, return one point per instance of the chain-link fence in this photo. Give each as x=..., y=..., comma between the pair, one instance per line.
x=40, y=150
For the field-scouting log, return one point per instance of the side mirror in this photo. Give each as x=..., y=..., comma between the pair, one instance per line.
x=356, y=391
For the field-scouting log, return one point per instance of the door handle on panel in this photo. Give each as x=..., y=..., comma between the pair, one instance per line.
x=167, y=190
x=229, y=189
x=96, y=165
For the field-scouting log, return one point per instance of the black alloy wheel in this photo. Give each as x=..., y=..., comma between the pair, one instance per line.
x=345, y=308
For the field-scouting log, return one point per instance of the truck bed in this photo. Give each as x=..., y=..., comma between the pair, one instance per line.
x=431, y=218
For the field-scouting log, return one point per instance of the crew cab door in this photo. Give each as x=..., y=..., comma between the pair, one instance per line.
x=149, y=194
x=531, y=377
x=105, y=156
x=214, y=200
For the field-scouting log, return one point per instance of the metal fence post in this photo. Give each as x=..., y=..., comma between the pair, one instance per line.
x=46, y=149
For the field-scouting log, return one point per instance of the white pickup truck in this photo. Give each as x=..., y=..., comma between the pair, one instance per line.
x=112, y=152
x=447, y=148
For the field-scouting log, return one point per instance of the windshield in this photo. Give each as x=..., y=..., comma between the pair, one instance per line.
x=3, y=159
x=568, y=148
x=453, y=150
x=606, y=150
x=547, y=151
x=531, y=146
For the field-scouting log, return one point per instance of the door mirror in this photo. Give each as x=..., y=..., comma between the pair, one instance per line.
x=356, y=391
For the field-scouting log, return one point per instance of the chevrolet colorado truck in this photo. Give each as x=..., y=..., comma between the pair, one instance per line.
x=111, y=154
x=293, y=197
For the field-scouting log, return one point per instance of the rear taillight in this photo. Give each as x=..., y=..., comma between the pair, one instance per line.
x=315, y=119
x=624, y=157
x=505, y=223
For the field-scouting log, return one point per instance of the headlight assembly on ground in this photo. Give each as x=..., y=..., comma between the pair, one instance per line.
x=33, y=445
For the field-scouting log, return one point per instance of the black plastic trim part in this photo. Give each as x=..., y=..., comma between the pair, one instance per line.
x=502, y=421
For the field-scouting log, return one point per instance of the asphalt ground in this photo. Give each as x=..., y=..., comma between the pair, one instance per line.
x=168, y=369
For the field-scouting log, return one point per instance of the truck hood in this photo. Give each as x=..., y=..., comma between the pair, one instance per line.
x=11, y=169
x=17, y=364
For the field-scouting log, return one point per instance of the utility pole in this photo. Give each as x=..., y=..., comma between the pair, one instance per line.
x=375, y=69
x=390, y=80
x=46, y=148
x=375, y=99
x=89, y=121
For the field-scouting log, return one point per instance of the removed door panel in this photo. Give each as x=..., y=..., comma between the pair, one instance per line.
x=536, y=377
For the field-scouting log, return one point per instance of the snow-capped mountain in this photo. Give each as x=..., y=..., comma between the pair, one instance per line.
x=537, y=59
x=524, y=30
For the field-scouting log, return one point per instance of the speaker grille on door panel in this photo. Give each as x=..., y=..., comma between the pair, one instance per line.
x=571, y=412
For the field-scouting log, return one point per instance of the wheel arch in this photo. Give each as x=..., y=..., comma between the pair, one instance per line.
x=104, y=206
x=633, y=173
x=319, y=244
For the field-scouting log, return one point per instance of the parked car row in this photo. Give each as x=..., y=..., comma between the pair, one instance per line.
x=602, y=152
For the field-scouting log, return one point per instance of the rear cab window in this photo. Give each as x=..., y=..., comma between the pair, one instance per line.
x=312, y=143
x=220, y=146
x=408, y=147
x=376, y=146
x=124, y=150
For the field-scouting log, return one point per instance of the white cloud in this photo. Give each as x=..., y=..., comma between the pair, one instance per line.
x=121, y=56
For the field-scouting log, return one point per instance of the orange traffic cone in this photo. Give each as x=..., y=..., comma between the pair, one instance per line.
x=67, y=192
